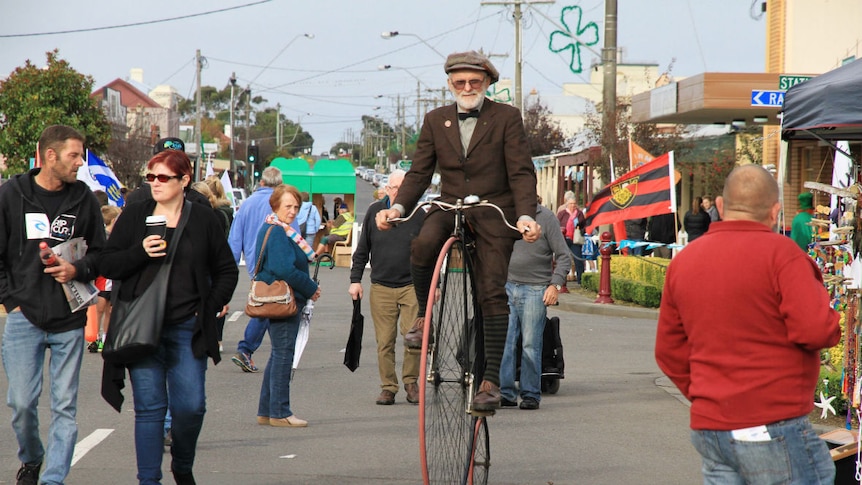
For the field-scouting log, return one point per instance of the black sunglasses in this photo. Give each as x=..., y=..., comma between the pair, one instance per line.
x=151, y=177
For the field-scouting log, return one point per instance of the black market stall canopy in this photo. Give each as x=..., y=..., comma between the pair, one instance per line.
x=827, y=107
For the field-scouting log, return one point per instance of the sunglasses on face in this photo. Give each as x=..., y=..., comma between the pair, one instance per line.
x=462, y=83
x=162, y=177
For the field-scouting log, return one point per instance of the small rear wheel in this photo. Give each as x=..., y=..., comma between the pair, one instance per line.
x=550, y=385
x=481, y=458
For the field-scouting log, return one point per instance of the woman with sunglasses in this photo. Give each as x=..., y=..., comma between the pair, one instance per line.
x=203, y=276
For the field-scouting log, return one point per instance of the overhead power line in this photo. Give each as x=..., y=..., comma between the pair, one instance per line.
x=135, y=24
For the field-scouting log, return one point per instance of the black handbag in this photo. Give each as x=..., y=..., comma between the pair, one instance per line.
x=354, y=340
x=136, y=325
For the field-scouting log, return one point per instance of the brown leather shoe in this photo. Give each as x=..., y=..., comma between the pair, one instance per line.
x=488, y=397
x=386, y=398
x=413, y=337
x=412, y=392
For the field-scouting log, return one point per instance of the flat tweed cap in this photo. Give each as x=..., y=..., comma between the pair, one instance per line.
x=471, y=60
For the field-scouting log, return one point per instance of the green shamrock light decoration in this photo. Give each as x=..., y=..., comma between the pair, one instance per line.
x=501, y=96
x=587, y=35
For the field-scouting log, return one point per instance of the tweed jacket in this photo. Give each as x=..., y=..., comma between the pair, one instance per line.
x=497, y=166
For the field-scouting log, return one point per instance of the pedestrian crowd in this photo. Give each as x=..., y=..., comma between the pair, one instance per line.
x=185, y=239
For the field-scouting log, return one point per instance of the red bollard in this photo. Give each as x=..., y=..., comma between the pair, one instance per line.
x=605, y=280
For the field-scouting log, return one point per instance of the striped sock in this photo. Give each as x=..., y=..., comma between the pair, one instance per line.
x=496, y=328
x=422, y=276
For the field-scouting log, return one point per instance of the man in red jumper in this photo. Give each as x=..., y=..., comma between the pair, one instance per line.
x=741, y=335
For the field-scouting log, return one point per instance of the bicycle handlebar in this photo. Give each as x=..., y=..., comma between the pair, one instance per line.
x=469, y=202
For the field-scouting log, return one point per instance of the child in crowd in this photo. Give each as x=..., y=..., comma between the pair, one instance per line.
x=103, y=303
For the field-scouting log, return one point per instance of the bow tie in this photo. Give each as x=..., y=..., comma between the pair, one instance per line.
x=470, y=114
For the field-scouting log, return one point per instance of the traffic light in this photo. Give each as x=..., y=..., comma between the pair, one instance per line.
x=254, y=159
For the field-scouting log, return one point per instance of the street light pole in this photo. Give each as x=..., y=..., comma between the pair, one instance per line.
x=232, y=164
x=394, y=33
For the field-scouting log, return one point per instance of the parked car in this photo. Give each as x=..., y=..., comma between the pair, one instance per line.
x=238, y=198
x=428, y=196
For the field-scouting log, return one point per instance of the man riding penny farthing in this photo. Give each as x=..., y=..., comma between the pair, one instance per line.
x=479, y=148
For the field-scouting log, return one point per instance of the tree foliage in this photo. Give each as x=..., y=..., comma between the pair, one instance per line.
x=33, y=98
x=127, y=155
x=544, y=135
x=651, y=137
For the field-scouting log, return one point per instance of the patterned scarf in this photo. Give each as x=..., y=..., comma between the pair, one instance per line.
x=292, y=234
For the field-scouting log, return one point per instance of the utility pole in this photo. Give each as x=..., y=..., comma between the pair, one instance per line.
x=278, y=126
x=402, y=116
x=232, y=164
x=517, y=15
x=198, y=144
x=248, y=170
x=609, y=91
x=418, y=108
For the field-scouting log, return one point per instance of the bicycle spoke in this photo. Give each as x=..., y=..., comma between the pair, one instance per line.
x=448, y=430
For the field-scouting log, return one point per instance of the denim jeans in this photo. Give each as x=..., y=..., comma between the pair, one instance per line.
x=173, y=370
x=527, y=314
x=577, y=250
x=24, y=347
x=793, y=455
x=255, y=329
x=275, y=388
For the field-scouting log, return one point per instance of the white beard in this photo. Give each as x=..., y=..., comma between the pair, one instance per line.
x=469, y=102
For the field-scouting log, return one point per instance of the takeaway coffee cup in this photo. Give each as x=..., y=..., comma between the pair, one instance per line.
x=157, y=226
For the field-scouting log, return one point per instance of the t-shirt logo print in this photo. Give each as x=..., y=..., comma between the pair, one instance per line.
x=624, y=193
x=63, y=227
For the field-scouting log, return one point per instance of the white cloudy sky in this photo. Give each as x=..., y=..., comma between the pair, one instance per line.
x=333, y=79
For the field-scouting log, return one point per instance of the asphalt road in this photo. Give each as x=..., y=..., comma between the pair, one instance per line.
x=609, y=423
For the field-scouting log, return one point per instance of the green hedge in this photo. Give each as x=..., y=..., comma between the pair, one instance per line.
x=834, y=389
x=633, y=278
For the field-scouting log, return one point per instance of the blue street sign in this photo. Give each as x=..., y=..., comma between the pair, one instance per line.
x=767, y=98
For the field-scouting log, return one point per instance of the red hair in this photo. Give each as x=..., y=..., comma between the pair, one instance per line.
x=176, y=161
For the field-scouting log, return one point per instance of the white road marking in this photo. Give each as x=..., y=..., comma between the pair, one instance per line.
x=288, y=456
x=235, y=316
x=88, y=443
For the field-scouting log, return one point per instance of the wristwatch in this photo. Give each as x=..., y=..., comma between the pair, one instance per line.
x=558, y=287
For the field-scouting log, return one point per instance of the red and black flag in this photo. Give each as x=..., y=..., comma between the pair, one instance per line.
x=643, y=192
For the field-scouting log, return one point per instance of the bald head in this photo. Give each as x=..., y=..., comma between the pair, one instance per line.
x=750, y=194
x=396, y=177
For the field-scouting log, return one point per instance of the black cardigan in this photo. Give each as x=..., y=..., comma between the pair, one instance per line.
x=215, y=273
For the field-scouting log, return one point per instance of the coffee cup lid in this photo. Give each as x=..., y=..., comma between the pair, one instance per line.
x=159, y=219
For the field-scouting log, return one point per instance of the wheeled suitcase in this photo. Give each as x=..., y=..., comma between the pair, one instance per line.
x=553, y=364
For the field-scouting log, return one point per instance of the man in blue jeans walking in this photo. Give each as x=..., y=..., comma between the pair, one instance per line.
x=242, y=240
x=537, y=271
x=749, y=360
x=46, y=204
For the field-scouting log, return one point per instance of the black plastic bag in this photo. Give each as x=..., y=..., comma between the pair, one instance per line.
x=354, y=340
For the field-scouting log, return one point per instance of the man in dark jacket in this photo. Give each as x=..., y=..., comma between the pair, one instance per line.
x=50, y=205
x=479, y=147
x=393, y=298
x=663, y=228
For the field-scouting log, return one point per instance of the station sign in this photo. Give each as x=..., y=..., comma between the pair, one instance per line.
x=787, y=81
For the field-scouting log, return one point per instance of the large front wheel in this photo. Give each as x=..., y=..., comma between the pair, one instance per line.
x=446, y=429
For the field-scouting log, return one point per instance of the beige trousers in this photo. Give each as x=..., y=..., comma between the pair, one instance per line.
x=393, y=310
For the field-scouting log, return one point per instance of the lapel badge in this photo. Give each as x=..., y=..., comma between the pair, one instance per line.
x=447, y=124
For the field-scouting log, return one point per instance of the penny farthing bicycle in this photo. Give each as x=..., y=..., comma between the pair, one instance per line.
x=453, y=438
